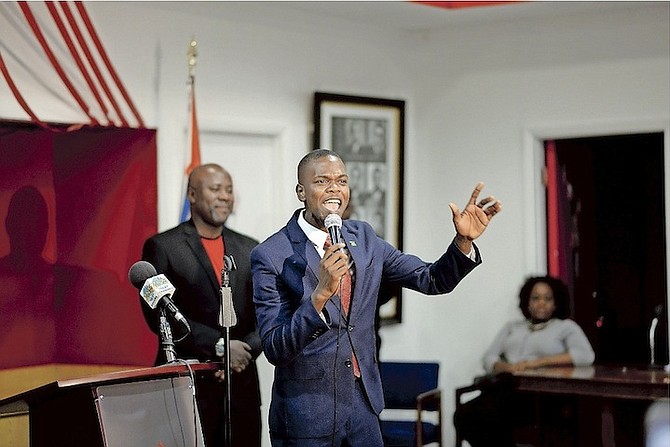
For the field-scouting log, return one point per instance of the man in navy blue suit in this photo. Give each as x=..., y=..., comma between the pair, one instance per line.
x=327, y=391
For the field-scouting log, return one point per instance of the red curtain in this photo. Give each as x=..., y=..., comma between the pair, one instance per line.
x=554, y=258
x=76, y=207
x=560, y=219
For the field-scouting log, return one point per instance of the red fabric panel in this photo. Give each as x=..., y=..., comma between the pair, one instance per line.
x=100, y=187
x=73, y=50
x=27, y=249
x=110, y=68
x=54, y=62
x=559, y=218
x=553, y=232
x=93, y=64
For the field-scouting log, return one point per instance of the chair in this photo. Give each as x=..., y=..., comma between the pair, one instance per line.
x=459, y=401
x=529, y=434
x=493, y=381
x=411, y=386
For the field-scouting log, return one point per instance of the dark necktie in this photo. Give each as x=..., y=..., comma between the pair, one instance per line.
x=345, y=299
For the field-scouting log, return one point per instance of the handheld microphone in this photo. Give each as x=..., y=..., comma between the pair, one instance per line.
x=155, y=289
x=333, y=224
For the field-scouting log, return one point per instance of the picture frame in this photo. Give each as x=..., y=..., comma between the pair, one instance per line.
x=369, y=134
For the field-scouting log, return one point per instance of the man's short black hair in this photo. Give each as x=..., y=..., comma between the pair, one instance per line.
x=314, y=155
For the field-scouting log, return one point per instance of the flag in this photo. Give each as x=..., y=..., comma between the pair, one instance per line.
x=194, y=149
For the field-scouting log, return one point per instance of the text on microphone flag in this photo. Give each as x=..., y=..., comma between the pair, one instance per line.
x=156, y=288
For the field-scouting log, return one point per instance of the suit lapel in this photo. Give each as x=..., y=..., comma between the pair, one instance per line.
x=231, y=247
x=193, y=241
x=357, y=255
x=303, y=247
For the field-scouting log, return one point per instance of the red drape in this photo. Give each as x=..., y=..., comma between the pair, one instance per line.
x=77, y=207
x=553, y=232
x=560, y=223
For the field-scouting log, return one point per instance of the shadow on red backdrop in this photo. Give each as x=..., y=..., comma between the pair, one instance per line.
x=75, y=209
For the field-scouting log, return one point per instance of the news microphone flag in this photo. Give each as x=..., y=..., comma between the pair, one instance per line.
x=194, y=135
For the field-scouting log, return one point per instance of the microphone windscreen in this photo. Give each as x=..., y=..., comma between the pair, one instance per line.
x=229, y=263
x=333, y=224
x=332, y=220
x=141, y=271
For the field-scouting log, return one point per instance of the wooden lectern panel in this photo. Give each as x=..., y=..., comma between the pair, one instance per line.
x=66, y=413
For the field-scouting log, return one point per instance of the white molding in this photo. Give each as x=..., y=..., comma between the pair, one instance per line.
x=535, y=249
x=533, y=137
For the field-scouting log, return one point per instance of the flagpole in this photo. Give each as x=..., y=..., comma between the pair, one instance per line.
x=193, y=132
x=192, y=59
x=192, y=55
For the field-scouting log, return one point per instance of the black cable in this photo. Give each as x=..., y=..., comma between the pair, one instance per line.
x=185, y=335
x=176, y=406
x=195, y=402
x=191, y=376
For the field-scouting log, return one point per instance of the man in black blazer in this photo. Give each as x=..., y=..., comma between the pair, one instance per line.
x=191, y=257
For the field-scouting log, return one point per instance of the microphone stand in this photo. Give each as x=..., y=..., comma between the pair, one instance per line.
x=166, y=336
x=652, y=338
x=227, y=319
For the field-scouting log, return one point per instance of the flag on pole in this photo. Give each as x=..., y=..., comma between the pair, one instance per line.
x=194, y=134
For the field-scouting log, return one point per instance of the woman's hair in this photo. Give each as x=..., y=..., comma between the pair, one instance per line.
x=559, y=289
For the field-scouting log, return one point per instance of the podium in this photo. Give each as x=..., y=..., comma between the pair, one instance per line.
x=142, y=407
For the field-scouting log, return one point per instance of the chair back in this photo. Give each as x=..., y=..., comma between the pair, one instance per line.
x=404, y=381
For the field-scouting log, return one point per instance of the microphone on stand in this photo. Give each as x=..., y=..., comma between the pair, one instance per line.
x=156, y=290
x=227, y=319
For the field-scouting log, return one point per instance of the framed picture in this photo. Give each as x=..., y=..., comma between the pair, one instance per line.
x=368, y=134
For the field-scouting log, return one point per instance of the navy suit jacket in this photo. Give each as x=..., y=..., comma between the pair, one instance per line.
x=312, y=358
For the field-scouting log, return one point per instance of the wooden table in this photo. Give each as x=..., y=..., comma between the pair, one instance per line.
x=604, y=386
x=604, y=381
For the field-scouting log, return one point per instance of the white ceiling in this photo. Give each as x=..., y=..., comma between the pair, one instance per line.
x=411, y=16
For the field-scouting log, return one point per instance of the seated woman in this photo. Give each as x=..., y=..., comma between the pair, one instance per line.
x=545, y=337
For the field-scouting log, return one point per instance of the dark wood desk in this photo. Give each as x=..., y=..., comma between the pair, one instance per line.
x=603, y=381
x=602, y=386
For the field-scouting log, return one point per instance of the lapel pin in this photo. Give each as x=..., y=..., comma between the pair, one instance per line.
x=352, y=243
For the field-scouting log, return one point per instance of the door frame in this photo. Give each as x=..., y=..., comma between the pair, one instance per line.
x=535, y=221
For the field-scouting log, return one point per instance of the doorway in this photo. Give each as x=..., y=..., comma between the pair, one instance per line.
x=614, y=194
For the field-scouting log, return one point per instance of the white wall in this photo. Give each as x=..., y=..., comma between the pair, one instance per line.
x=476, y=98
x=477, y=128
